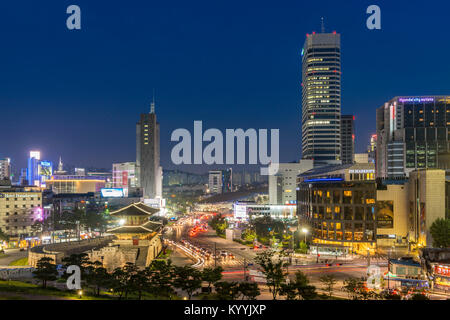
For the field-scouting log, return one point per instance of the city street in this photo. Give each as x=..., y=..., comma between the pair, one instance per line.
x=12, y=255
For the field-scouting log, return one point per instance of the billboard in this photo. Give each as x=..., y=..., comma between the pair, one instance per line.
x=45, y=169
x=112, y=192
x=125, y=178
x=240, y=211
x=385, y=214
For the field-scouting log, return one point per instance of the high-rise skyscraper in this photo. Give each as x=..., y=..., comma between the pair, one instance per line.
x=412, y=133
x=321, y=98
x=148, y=168
x=5, y=168
x=347, y=139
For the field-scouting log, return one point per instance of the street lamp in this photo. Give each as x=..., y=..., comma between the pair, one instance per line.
x=305, y=231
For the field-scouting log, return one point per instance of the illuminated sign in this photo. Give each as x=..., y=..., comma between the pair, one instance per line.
x=112, y=192
x=416, y=100
x=240, y=211
x=442, y=270
x=361, y=171
x=19, y=195
x=45, y=169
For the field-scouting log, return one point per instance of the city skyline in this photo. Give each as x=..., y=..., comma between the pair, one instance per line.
x=194, y=80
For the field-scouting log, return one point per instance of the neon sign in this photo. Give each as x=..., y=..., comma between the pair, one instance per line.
x=416, y=100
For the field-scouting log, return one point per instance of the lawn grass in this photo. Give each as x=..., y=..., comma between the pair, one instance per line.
x=20, y=262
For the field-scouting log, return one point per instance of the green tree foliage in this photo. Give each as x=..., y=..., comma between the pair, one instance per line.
x=227, y=290
x=45, y=271
x=272, y=268
x=187, y=279
x=328, y=282
x=160, y=274
x=249, y=235
x=3, y=236
x=212, y=275
x=97, y=277
x=249, y=290
x=219, y=224
x=440, y=231
x=299, y=288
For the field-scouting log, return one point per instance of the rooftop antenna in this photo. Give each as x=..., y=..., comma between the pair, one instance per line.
x=323, y=26
x=152, y=105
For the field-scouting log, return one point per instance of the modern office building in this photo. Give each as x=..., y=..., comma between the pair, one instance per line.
x=282, y=185
x=75, y=184
x=346, y=207
x=338, y=204
x=412, y=133
x=246, y=210
x=347, y=139
x=426, y=203
x=321, y=98
x=148, y=169
x=38, y=171
x=124, y=176
x=215, y=181
x=5, y=168
x=371, y=148
x=19, y=210
x=361, y=158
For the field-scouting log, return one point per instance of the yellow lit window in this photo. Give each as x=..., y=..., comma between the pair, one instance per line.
x=347, y=193
x=370, y=201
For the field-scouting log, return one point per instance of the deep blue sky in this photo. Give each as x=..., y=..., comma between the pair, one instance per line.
x=232, y=64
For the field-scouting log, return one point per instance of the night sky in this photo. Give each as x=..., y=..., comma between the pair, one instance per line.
x=232, y=64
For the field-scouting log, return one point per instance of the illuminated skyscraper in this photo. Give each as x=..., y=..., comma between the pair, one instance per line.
x=148, y=169
x=321, y=98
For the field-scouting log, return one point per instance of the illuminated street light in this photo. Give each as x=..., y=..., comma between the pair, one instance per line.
x=122, y=222
x=305, y=231
x=80, y=293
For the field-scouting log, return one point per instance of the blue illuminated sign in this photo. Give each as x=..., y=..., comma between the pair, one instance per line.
x=324, y=180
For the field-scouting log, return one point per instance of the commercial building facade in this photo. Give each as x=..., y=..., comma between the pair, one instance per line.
x=18, y=211
x=347, y=139
x=339, y=206
x=148, y=169
x=412, y=133
x=321, y=98
x=283, y=184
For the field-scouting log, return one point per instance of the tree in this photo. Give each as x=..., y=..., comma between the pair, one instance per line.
x=440, y=232
x=3, y=236
x=130, y=270
x=77, y=259
x=211, y=275
x=119, y=281
x=187, y=279
x=304, y=289
x=289, y=290
x=350, y=286
x=299, y=288
x=219, y=224
x=328, y=281
x=97, y=277
x=249, y=290
x=160, y=275
x=227, y=290
x=249, y=235
x=273, y=271
x=138, y=282
x=45, y=271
